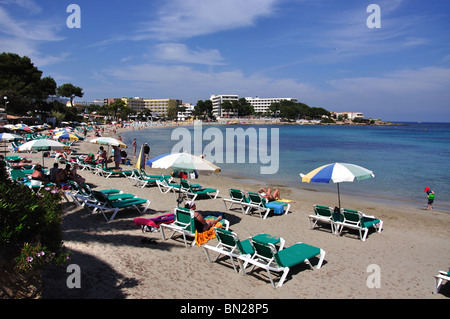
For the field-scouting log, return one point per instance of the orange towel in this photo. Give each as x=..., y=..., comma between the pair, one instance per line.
x=201, y=238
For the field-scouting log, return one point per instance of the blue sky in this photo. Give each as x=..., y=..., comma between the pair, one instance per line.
x=321, y=52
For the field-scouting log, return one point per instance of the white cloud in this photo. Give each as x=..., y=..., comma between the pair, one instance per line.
x=400, y=95
x=30, y=5
x=190, y=84
x=30, y=30
x=24, y=37
x=181, y=19
x=415, y=94
x=180, y=53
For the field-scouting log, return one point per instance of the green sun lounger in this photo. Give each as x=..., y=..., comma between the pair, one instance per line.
x=281, y=261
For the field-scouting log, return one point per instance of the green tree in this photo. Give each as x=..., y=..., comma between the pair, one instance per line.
x=289, y=109
x=227, y=107
x=125, y=112
x=114, y=107
x=199, y=108
x=203, y=109
x=59, y=116
x=69, y=90
x=274, y=108
x=244, y=108
x=172, y=112
x=22, y=83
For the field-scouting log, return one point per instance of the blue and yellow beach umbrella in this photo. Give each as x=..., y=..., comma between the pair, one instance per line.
x=337, y=173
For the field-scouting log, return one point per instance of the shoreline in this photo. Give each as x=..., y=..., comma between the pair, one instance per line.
x=351, y=191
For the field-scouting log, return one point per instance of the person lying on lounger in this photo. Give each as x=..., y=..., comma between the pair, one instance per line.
x=200, y=223
x=267, y=194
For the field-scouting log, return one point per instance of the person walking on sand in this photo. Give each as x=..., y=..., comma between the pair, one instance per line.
x=134, y=147
x=430, y=194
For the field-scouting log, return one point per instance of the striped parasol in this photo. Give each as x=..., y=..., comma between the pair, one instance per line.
x=337, y=173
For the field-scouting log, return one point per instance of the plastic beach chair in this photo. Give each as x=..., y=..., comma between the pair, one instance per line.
x=230, y=245
x=105, y=204
x=190, y=190
x=356, y=220
x=440, y=278
x=140, y=179
x=237, y=197
x=269, y=258
x=322, y=214
x=256, y=201
x=184, y=224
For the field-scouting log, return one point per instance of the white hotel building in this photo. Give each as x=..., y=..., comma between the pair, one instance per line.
x=260, y=105
x=217, y=101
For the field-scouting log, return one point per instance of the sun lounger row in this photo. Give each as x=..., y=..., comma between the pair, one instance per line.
x=191, y=191
x=263, y=251
x=260, y=251
x=105, y=200
x=254, y=202
x=344, y=218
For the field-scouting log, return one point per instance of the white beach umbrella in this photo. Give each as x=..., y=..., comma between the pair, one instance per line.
x=9, y=137
x=42, y=145
x=108, y=141
x=184, y=162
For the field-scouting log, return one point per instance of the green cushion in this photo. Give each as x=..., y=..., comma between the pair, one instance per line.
x=127, y=202
x=296, y=254
x=246, y=247
x=367, y=222
x=109, y=191
x=120, y=196
x=205, y=191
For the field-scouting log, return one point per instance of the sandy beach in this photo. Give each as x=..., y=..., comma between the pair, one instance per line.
x=115, y=263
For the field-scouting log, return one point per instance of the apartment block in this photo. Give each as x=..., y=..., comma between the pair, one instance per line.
x=217, y=101
x=261, y=105
x=159, y=106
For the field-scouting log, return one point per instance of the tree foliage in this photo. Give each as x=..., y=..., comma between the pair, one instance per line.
x=22, y=83
x=203, y=109
x=69, y=90
x=293, y=110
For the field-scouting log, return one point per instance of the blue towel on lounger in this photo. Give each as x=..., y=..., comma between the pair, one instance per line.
x=277, y=208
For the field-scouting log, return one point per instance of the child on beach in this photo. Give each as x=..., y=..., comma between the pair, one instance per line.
x=430, y=194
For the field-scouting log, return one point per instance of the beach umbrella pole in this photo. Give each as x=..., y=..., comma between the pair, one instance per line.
x=179, y=199
x=339, y=197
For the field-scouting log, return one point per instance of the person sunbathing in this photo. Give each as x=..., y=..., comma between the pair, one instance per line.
x=267, y=194
x=38, y=174
x=89, y=159
x=21, y=163
x=200, y=223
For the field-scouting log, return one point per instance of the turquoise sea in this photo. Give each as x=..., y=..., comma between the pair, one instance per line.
x=405, y=157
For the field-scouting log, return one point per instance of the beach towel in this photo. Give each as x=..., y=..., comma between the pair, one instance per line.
x=285, y=201
x=204, y=237
x=152, y=224
x=277, y=208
